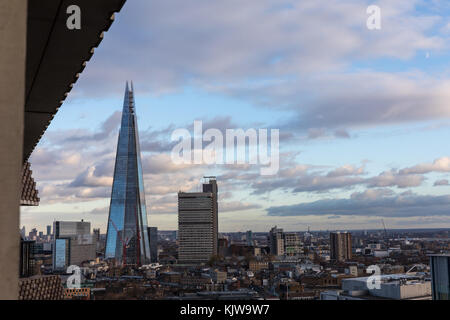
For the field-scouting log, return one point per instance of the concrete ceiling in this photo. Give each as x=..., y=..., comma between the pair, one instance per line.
x=56, y=56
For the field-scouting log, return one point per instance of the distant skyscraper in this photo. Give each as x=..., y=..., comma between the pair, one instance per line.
x=97, y=239
x=22, y=232
x=73, y=244
x=49, y=230
x=27, y=262
x=97, y=234
x=153, y=237
x=440, y=276
x=127, y=236
x=249, y=238
x=33, y=234
x=340, y=246
x=61, y=254
x=198, y=224
x=276, y=241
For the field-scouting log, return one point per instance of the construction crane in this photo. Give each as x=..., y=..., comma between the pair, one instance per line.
x=419, y=270
x=124, y=243
x=384, y=227
x=386, y=238
x=138, y=239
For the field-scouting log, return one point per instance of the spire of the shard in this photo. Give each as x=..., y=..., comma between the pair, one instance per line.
x=127, y=235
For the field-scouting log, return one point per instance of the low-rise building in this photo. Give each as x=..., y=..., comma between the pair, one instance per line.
x=258, y=265
x=390, y=287
x=218, y=276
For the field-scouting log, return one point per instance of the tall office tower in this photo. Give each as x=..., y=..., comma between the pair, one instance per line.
x=127, y=236
x=33, y=234
x=61, y=254
x=73, y=244
x=97, y=234
x=153, y=236
x=276, y=241
x=440, y=276
x=223, y=247
x=97, y=240
x=27, y=261
x=198, y=224
x=249, y=238
x=49, y=230
x=340, y=246
x=22, y=232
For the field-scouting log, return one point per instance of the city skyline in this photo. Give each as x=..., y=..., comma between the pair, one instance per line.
x=263, y=152
x=361, y=120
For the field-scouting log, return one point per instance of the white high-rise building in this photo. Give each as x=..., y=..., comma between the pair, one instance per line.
x=198, y=224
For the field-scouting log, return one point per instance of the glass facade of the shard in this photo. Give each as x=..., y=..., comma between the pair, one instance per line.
x=127, y=236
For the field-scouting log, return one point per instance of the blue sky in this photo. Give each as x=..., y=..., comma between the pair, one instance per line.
x=364, y=115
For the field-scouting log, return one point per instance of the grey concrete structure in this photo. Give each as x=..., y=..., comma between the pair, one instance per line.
x=40, y=59
x=82, y=245
x=13, y=24
x=197, y=224
x=57, y=56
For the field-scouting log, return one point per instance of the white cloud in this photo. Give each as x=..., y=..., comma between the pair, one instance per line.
x=438, y=165
x=89, y=179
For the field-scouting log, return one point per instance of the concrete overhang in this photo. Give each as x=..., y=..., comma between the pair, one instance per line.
x=56, y=56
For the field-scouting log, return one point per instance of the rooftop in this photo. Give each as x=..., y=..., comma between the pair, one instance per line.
x=440, y=255
x=390, y=277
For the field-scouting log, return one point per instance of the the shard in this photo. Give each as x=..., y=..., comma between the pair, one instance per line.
x=127, y=237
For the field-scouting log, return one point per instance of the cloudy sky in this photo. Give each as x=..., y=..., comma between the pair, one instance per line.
x=364, y=115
